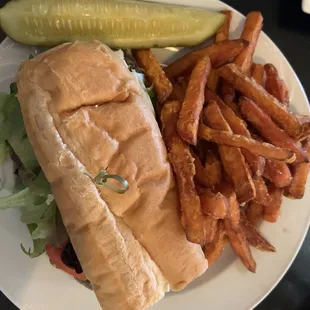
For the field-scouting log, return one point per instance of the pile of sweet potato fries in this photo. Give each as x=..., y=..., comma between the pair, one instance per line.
x=234, y=146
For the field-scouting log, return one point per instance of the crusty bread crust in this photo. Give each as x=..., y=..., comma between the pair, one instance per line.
x=85, y=111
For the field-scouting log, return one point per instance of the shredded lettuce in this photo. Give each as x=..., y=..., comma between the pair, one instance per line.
x=30, y=197
x=38, y=244
x=32, y=193
x=13, y=89
x=38, y=212
x=12, y=130
x=149, y=89
x=151, y=92
x=16, y=200
x=4, y=151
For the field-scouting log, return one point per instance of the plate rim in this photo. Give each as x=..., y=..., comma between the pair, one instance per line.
x=300, y=242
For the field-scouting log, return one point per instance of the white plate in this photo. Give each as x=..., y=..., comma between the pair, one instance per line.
x=36, y=285
x=306, y=6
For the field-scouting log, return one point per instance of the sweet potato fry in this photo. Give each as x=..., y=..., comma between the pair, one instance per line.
x=179, y=89
x=262, y=195
x=278, y=173
x=194, y=99
x=238, y=126
x=183, y=167
x=257, y=73
x=256, y=163
x=231, y=157
x=213, y=80
x=306, y=146
x=233, y=105
x=213, y=203
x=200, y=190
x=264, y=100
x=304, y=121
x=272, y=211
x=178, y=92
x=219, y=53
x=202, y=175
x=240, y=245
x=169, y=119
x=147, y=61
x=258, y=148
x=228, y=93
x=253, y=236
x=200, y=149
x=254, y=212
x=182, y=163
x=275, y=86
x=213, y=167
x=223, y=33
x=198, y=166
x=251, y=31
x=233, y=212
x=215, y=249
x=211, y=226
x=300, y=175
x=269, y=130
x=183, y=81
x=252, y=27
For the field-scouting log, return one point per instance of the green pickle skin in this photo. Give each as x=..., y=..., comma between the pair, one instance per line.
x=117, y=23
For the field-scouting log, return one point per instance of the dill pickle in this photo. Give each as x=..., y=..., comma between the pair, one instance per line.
x=117, y=23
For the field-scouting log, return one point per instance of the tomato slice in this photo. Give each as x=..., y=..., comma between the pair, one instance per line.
x=54, y=255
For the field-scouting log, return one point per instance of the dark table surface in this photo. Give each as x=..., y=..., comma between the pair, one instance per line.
x=289, y=28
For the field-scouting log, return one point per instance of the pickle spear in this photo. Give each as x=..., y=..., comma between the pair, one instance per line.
x=117, y=23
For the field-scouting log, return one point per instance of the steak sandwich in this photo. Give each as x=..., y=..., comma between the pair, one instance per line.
x=84, y=111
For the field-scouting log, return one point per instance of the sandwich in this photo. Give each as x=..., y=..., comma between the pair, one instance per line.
x=92, y=128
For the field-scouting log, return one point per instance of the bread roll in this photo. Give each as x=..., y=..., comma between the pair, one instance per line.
x=85, y=111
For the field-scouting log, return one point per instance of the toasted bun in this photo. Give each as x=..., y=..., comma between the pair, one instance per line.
x=85, y=111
